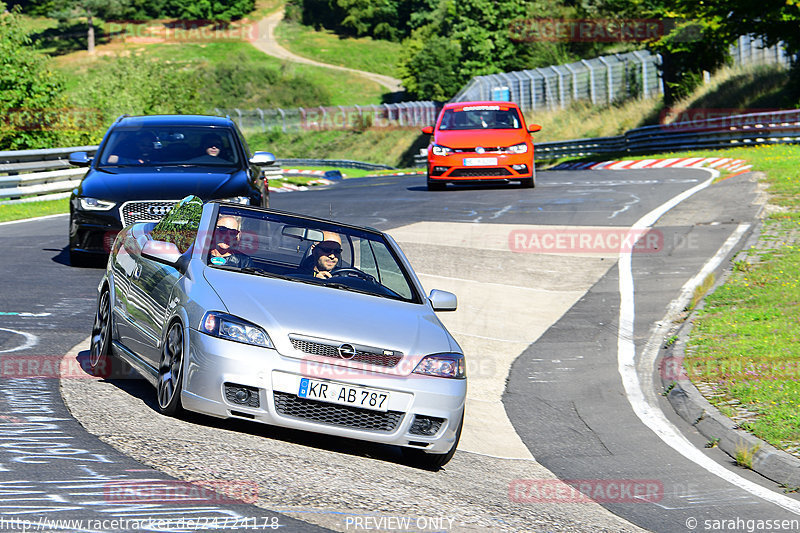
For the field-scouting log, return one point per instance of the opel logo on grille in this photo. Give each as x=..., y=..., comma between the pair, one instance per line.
x=158, y=210
x=346, y=351
x=480, y=150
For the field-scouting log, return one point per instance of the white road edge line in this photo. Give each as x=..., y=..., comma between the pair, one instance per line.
x=648, y=411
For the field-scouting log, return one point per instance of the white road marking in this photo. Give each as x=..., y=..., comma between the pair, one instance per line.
x=645, y=407
x=31, y=340
x=32, y=219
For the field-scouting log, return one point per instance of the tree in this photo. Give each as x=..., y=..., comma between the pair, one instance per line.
x=30, y=92
x=64, y=10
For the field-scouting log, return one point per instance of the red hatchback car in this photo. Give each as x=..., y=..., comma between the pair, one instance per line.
x=480, y=141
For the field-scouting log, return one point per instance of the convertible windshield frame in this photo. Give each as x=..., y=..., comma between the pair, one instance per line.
x=279, y=245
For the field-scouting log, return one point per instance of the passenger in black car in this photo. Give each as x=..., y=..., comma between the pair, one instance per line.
x=226, y=237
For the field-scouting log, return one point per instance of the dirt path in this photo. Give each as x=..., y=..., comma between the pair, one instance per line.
x=267, y=43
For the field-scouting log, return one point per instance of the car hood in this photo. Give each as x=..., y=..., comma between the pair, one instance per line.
x=485, y=138
x=285, y=307
x=163, y=183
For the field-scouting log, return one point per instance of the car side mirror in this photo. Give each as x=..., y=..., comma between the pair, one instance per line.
x=163, y=252
x=80, y=159
x=443, y=300
x=533, y=128
x=427, y=130
x=262, y=159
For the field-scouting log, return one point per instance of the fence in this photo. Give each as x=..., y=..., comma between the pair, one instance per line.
x=405, y=114
x=601, y=80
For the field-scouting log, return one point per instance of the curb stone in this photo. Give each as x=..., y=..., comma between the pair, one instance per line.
x=688, y=402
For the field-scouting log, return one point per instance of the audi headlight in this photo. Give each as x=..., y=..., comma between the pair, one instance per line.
x=244, y=200
x=520, y=148
x=441, y=150
x=94, y=204
x=229, y=327
x=443, y=365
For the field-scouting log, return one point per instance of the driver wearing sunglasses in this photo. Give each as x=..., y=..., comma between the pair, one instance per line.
x=226, y=239
x=325, y=255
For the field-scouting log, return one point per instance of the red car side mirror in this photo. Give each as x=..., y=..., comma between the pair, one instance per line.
x=533, y=128
x=427, y=130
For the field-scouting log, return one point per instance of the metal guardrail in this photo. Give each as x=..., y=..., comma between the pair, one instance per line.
x=779, y=127
x=28, y=173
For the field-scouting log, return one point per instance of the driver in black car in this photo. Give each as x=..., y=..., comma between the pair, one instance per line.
x=325, y=256
x=226, y=237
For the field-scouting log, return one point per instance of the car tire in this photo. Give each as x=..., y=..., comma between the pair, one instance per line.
x=436, y=185
x=433, y=461
x=528, y=183
x=79, y=259
x=170, y=372
x=101, y=361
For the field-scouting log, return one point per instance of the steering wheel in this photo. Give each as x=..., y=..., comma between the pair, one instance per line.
x=353, y=272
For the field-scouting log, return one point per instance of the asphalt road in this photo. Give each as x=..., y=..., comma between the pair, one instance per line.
x=565, y=400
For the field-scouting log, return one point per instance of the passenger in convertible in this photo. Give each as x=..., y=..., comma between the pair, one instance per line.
x=226, y=237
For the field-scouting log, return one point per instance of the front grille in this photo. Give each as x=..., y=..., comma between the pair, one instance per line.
x=374, y=356
x=486, y=150
x=144, y=210
x=336, y=415
x=477, y=172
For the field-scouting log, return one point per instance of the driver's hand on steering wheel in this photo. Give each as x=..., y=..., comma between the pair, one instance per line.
x=322, y=274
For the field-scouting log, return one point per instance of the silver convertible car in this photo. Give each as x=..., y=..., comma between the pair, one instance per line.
x=251, y=313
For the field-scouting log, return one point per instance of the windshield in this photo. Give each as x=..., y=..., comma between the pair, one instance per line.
x=339, y=257
x=489, y=117
x=162, y=146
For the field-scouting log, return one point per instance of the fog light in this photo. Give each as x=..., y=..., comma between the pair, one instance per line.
x=426, y=425
x=438, y=171
x=242, y=395
x=520, y=168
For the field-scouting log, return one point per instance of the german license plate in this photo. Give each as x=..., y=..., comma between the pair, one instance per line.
x=332, y=392
x=479, y=161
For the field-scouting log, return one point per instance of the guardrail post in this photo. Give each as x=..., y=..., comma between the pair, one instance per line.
x=283, y=119
x=263, y=122
x=574, y=82
x=561, y=96
x=239, y=113
x=638, y=56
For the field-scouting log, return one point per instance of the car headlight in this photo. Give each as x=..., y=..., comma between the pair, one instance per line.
x=443, y=365
x=94, y=204
x=244, y=200
x=441, y=150
x=520, y=148
x=229, y=327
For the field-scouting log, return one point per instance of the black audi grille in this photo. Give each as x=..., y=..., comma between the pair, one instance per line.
x=144, y=210
x=486, y=150
x=478, y=172
x=336, y=415
x=331, y=350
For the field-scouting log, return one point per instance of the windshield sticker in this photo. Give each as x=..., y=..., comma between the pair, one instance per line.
x=482, y=108
x=219, y=260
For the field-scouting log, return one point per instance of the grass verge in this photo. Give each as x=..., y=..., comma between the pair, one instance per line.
x=10, y=212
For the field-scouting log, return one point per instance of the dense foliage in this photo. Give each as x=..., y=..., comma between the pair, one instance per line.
x=142, y=9
x=30, y=92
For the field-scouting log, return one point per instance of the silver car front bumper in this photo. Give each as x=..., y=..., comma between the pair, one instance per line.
x=273, y=379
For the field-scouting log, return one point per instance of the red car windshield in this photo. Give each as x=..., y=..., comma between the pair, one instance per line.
x=480, y=118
